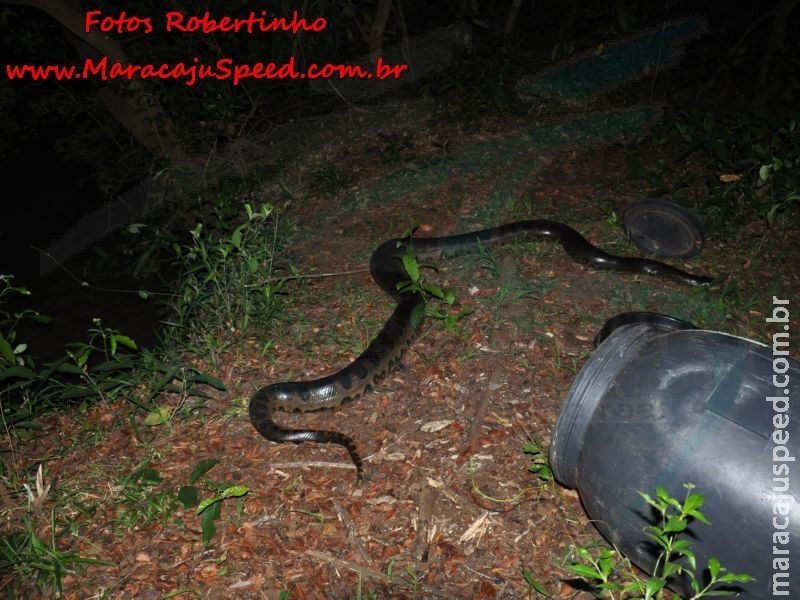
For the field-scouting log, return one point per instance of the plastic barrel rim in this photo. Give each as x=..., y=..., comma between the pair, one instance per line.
x=659, y=321
x=615, y=339
x=587, y=390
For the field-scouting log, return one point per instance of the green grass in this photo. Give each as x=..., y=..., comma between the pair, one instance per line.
x=30, y=552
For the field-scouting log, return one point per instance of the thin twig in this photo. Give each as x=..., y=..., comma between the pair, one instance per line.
x=271, y=280
x=352, y=535
x=90, y=286
x=313, y=463
x=424, y=531
x=268, y=281
x=364, y=571
x=481, y=410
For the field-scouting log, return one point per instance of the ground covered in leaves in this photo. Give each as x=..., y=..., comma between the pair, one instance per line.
x=448, y=508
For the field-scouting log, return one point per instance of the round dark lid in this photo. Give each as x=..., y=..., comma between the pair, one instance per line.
x=663, y=228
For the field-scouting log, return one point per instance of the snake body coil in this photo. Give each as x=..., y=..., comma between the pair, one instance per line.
x=386, y=350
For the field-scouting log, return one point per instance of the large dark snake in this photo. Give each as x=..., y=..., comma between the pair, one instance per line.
x=386, y=350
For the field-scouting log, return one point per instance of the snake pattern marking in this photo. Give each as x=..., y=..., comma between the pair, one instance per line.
x=388, y=347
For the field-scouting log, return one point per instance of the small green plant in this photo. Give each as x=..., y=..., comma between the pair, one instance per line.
x=540, y=462
x=107, y=367
x=535, y=586
x=612, y=576
x=12, y=352
x=417, y=284
x=142, y=503
x=183, y=380
x=104, y=368
x=18, y=376
x=675, y=517
x=226, y=284
x=100, y=369
x=210, y=508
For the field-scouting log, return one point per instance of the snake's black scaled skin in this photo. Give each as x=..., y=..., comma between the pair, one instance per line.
x=386, y=350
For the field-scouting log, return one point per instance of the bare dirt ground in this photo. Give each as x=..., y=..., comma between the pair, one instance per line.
x=448, y=508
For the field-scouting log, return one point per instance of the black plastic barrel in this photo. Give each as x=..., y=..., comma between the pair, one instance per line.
x=656, y=405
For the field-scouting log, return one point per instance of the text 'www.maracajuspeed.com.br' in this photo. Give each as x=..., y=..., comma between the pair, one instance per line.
x=224, y=69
